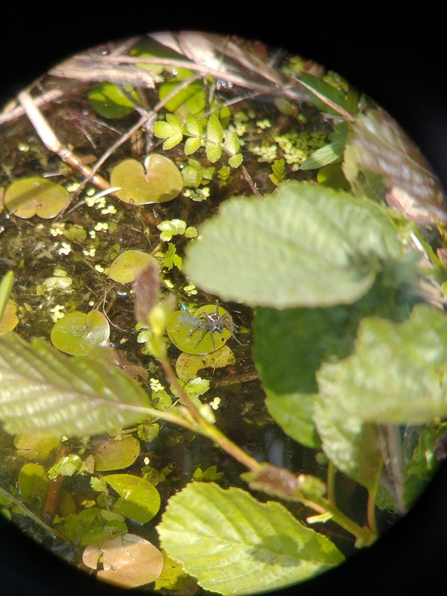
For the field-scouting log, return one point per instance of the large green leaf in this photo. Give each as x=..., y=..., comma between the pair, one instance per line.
x=351, y=445
x=290, y=346
x=396, y=376
x=235, y=545
x=305, y=245
x=42, y=389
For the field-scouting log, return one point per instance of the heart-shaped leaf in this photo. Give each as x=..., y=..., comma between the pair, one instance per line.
x=126, y=560
x=116, y=454
x=160, y=183
x=35, y=196
x=77, y=333
x=129, y=264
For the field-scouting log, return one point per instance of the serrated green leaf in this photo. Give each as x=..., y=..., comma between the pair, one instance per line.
x=42, y=389
x=163, y=130
x=231, y=142
x=173, y=141
x=213, y=152
x=397, y=375
x=235, y=545
x=192, y=145
x=214, y=132
x=351, y=445
x=193, y=125
x=303, y=246
x=235, y=160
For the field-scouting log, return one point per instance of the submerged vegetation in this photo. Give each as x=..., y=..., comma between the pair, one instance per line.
x=237, y=345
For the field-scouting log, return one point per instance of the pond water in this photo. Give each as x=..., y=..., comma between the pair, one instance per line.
x=225, y=259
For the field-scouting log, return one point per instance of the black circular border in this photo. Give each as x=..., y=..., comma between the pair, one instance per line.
x=398, y=59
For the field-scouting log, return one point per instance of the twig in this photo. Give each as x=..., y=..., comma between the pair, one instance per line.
x=18, y=111
x=51, y=142
x=252, y=185
x=54, y=490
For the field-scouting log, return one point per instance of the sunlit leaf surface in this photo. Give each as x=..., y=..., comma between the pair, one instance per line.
x=228, y=540
x=42, y=389
x=302, y=246
x=396, y=376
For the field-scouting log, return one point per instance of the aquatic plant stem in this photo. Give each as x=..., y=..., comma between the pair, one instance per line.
x=209, y=430
x=331, y=469
x=371, y=506
x=206, y=428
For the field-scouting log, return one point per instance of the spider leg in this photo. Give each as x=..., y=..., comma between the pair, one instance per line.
x=202, y=336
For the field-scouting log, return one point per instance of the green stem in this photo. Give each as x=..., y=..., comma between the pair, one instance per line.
x=371, y=506
x=322, y=506
x=331, y=469
x=206, y=428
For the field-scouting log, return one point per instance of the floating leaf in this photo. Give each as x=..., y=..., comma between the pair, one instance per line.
x=33, y=481
x=42, y=389
x=181, y=323
x=397, y=374
x=78, y=333
x=140, y=500
x=111, y=102
x=35, y=445
x=188, y=365
x=127, y=560
x=305, y=245
x=161, y=182
x=126, y=267
x=116, y=454
x=232, y=543
x=36, y=196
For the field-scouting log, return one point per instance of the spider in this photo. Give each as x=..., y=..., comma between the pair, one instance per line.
x=210, y=323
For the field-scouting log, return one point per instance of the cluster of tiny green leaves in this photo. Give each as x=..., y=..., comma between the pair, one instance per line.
x=211, y=136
